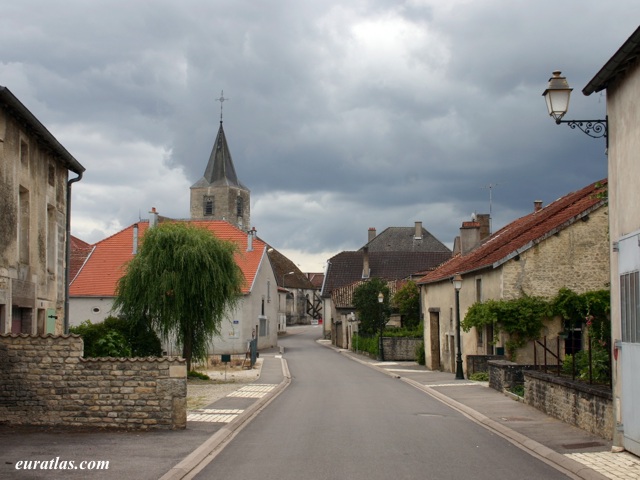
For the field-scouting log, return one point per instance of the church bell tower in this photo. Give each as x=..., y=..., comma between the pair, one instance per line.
x=219, y=195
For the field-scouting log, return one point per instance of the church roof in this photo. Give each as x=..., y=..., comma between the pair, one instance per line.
x=220, y=169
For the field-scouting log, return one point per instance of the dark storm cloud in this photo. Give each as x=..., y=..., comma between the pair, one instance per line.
x=340, y=115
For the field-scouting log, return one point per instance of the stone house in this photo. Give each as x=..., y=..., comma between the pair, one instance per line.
x=92, y=290
x=298, y=298
x=397, y=253
x=620, y=77
x=561, y=245
x=35, y=198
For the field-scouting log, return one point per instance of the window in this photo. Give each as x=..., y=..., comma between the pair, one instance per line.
x=208, y=206
x=630, y=306
x=24, y=153
x=52, y=175
x=23, y=229
x=52, y=237
x=239, y=206
x=264, y=327
x=478, y=289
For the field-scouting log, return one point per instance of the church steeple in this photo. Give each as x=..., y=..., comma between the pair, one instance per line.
x=219, y=195
x=220, y=169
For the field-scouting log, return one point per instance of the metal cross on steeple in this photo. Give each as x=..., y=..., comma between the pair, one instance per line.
x=221, y=100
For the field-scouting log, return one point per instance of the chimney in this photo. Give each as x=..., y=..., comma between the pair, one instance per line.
x=365, y=263
x=135, y=239
x=485, y=224
x=418, y=234
x=153, y=217
x=537, y=205
x=250, y=236
x=372, y=234
x=469, y=236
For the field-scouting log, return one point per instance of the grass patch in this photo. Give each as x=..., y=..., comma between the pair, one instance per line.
x=198, y=375
x=479, y=377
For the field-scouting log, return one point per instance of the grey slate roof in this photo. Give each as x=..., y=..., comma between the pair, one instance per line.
x=402, y=239
x=16, y=107
x=626, y=56
x=220, y=169
x=346, y=267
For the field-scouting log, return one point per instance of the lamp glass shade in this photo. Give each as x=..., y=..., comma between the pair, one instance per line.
x=380, y=297
x=457, y=282
x=557, y=96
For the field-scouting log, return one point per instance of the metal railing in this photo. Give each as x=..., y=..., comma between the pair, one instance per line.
x=551, y=361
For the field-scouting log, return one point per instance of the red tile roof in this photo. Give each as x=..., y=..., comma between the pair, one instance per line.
x=80, y=250
x=106, y=264
x=523, y=233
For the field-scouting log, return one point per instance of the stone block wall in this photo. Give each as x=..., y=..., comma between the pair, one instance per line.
x=400, y=348
x=503, y=374
x=45, y=381
x=584, y=406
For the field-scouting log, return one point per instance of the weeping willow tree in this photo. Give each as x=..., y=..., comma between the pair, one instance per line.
x=183, y=280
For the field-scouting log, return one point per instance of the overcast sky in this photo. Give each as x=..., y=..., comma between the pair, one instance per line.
x=341, y=115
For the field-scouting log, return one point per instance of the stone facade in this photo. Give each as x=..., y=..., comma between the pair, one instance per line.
x=586, y=407
x=575, y=256
x=45, y=381
x=33, y=201
x=400, y=348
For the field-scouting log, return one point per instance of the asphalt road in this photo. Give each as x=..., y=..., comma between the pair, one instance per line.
x=341, y=419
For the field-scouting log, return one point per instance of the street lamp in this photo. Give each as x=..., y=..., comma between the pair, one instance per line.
x=457, y=284
x=380, y=347
x=557, y=97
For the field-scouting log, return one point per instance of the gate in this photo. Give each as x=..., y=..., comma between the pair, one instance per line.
x=629, y=271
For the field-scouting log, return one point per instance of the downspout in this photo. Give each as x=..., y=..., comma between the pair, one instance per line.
x=68, y=252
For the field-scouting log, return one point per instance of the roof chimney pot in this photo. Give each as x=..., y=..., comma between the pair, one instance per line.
x=537, y=205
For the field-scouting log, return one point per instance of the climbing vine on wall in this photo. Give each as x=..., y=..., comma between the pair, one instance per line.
x=522, y=318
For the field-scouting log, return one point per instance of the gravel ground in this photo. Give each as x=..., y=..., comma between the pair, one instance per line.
x=201, y=393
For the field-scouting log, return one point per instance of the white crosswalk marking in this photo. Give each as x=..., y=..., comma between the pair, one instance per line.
x=213, y=415
x=252, y=391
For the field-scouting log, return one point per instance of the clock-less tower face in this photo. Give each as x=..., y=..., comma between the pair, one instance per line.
x=219, y=195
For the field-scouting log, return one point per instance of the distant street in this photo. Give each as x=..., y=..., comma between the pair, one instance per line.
x=340, y=419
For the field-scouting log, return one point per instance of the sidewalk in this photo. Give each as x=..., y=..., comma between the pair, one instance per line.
x=166, y=454
x=568, y=448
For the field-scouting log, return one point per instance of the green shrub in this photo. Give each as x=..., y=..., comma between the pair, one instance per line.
x=599, y=364
x=517, y=390
x=199, y=375
x=365, y=344
x=479, y=377
x=420, y=354
x=118, y=337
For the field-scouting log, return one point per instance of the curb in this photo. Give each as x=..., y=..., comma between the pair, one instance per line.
x=206, y=452
x=558, y=461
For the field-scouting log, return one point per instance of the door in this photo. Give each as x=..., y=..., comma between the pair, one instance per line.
x=434, y=339
x=629, y=271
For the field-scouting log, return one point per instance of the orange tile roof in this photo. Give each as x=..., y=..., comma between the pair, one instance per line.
x=522, y=233
x=106, y=264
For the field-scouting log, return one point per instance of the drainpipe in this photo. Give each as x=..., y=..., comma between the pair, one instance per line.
x=68, y=252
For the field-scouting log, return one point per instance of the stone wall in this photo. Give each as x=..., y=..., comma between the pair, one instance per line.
x=480, y=363
x=587, y=407
x=45, y=381
x=400, y=348
x=504, y=375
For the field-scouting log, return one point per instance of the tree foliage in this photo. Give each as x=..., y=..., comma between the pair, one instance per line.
x=183, y=280
x=522, y=318
x=407, y=301
x=118, y=337
x=370, y=312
